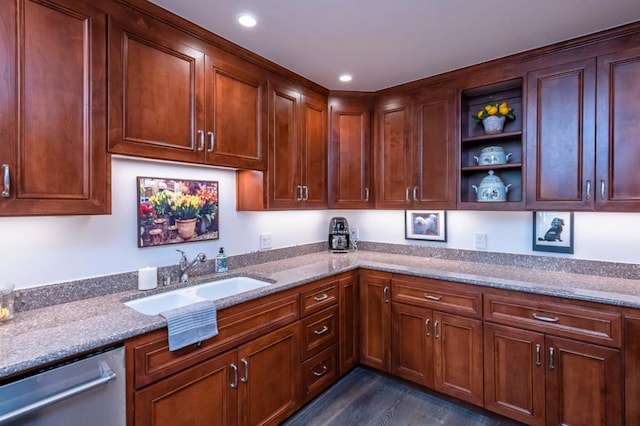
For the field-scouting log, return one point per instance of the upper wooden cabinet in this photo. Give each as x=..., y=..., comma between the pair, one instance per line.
x=350, y=185
x=296, y=177
x=414, y=153
x=172, y=97
x=52, y=119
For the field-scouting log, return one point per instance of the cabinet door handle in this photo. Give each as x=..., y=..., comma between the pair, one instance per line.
x=415, y=193
x=212, y=141
x=234, y=383
x=406, y=194
x=321, y=331
x=299, y=193
x=436, y=334
x=602, y=189
x=545, y=319
x=588, y=189
x=538, y=363
x=6, y=191
x=306, y=193
x=436, y=298
x=385, y=294
x=245, y=365
x=324, y=296
x=366, y=195
x=551, y=361
x=201, y=145
x=321, y=372
x=426, y=327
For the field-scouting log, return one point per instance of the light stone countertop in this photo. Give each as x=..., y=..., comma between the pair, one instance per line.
x=41, y=336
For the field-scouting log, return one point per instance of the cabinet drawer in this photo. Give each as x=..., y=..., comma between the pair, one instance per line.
x=319, y=372
x=319, y=331
x=318, y=296
x=580, y=320
x=438, y=295
x=151, y=359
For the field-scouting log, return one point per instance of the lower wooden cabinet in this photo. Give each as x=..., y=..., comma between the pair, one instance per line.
x=349, y=338
x=632, y=367
x=375, y=319
x=539, y=379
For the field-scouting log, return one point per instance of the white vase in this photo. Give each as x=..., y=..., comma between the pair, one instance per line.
x=493, y=124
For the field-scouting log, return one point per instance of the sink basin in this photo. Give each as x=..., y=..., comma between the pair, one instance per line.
x=212, y=290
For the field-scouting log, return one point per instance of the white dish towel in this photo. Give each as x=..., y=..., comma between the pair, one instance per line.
x=191, y=324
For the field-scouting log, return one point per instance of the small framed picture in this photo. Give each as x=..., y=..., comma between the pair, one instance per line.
x=430, y=225
x=553, y=232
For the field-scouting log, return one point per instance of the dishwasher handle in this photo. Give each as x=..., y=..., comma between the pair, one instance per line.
x=107, y=375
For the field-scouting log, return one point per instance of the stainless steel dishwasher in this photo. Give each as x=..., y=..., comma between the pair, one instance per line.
x=86, y=391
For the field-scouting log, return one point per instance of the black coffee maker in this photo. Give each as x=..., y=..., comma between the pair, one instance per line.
x=338, y=235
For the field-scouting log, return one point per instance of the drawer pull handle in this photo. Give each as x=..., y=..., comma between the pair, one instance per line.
x=245, y=364
x=321, y=331
x=538, y=363
x=427, y=323
x=436, y=298
x=321, y=372
x=321, y=298
x=545, y=319
x=234, y=384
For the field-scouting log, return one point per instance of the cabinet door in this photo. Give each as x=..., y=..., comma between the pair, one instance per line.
x=349, y=346
x=632, y=368
x=514, y=373
x=375, y=320
x=236, y=114
x=314, y=152
x=584, y=383
x=284, y=181
x=458, y=357
x=412, y=343
x=434, y=150
x=200, y=395
x=350, y=153
x=561, y=136
x=52, y=118
x=270, y=377
x=392, y=154
x=156, y=90
x=618, y=153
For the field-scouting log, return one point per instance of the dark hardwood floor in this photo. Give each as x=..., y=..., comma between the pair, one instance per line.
x=364, y=397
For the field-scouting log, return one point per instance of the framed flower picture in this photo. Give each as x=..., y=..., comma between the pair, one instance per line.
x=553, y=232
x=430, y=225
x=172, y=211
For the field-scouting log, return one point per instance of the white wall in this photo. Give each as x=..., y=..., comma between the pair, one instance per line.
x=44, y=250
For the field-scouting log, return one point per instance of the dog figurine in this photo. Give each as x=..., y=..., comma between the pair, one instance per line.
x=555, y=232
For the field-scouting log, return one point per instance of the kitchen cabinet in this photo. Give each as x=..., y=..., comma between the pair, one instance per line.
x=522, y=340
x=52, y=119
x=173, y=97
x=375, y=319
x=350, y=171
x=349, y=313
x=632, y=367
x=561, y=136
x=297, y=167
x=433, y=347
x=473, y=140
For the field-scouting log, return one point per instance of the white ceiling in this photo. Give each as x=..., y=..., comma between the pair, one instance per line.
x=383, y=43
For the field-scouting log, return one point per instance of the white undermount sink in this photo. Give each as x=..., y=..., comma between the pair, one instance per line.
x=212, y=290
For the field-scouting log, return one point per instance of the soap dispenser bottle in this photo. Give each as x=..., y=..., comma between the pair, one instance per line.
x=220, y=261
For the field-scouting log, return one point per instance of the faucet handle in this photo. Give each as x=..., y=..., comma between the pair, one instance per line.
x=183, y=258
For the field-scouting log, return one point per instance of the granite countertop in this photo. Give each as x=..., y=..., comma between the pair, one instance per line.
x=41, y=336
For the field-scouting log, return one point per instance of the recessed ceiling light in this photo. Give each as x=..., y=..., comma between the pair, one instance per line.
x=247, y=20
x=345, y=78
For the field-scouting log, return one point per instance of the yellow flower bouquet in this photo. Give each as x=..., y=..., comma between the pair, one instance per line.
x=495, y=109
x=186, y=207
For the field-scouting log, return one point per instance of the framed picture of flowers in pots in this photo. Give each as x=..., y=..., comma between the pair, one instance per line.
x=173, y=211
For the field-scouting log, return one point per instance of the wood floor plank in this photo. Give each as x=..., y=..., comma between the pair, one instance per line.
x=364, y=397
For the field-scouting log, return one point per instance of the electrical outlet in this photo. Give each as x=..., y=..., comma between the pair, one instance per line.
x=265, y=241
x=355, y=233
x=481, y=240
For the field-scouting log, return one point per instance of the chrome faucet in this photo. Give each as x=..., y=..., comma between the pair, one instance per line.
x=185, y=265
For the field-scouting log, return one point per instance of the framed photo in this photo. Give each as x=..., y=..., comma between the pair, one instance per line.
x=430, y=225
x=172, y=211
x=553, y=232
